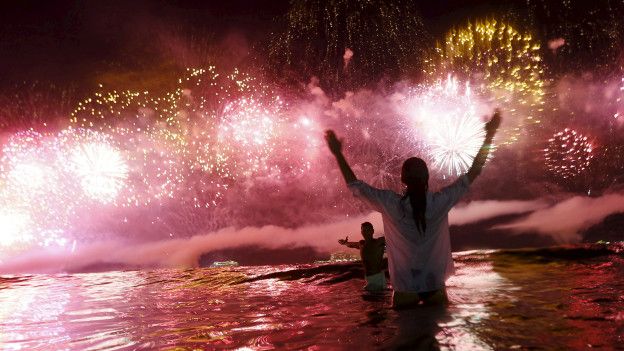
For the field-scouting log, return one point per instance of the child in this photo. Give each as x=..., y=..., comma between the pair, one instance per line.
x=371, y=252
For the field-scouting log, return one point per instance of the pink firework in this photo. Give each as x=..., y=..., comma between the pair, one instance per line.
x=568, y=153
x=247, y=136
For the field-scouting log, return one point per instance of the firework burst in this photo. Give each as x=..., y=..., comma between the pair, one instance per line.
x=101, y=170
x=169, y=137
x=445, y=119
x=504, y=65
x=15, y=229
x=568, y=153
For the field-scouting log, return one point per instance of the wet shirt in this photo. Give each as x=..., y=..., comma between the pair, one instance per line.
x=417, y=261
x=372, y=253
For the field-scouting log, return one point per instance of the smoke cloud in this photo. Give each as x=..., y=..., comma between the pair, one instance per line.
x=186, y=252
x=565, y=220
x=479, y=210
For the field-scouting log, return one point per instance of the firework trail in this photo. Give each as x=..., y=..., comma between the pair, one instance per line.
x=375, y=38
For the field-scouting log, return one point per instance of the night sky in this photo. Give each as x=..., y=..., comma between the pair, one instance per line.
x=54, y=54
x=69, y=42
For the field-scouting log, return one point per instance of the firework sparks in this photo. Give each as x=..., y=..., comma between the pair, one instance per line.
x=15, y=226
x=505, y=63
x=619, y=114
x=372, y=38
x=568, y=153
x=445, y=116
x=247, y=134
x=101, y=170
x=169, y=137
x=37, y=194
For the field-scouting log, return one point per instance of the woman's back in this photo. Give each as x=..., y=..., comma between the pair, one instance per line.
x=417, y=261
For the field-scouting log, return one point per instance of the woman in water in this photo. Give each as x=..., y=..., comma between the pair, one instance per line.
x=416, y=223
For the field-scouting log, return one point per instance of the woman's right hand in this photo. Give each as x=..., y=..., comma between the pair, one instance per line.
x=343, y=241
x=492, y=125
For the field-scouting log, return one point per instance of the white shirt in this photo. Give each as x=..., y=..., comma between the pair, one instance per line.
x=417, y=262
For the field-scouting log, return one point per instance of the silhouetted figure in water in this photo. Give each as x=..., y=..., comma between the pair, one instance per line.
x=416, y=223
x=371, y=252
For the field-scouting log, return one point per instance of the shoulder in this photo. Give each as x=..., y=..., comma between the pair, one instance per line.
x=361, y=187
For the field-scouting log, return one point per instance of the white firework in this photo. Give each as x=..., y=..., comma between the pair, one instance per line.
x=101, y=170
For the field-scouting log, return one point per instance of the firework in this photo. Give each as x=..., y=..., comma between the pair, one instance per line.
x=595, y=42
x=36, y=193
x=444, y=117
x=33, y=105
x=168, y=136
x=568, y=153
x=246, y=137
x=376, y=37
x=15, y=226
x=101, y=170
x=504, y=65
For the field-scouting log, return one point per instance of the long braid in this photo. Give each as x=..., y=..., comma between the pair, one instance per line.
x=416, y=177
x=418, y=200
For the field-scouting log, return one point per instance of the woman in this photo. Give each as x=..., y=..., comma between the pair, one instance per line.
x=416, y=223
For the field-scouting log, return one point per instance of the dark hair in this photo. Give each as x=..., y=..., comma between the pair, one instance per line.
x=415, y=175
x=367, y=224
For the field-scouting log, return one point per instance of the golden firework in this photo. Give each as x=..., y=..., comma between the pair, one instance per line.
x=501, y=63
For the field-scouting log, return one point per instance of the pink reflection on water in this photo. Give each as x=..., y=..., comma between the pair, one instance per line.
x=31, y=314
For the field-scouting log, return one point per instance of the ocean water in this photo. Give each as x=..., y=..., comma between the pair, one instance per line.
x=564, y=298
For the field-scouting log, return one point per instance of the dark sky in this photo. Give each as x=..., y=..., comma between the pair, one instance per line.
x=77, y=41
x=68, y=40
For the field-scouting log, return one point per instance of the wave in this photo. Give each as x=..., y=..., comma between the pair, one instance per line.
x=572, y=253
x=332, y=273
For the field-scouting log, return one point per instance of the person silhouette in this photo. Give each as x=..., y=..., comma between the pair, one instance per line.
x=371, y=253
x=416, y=223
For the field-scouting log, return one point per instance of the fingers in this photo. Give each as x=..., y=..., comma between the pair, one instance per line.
x=329, y=134
x=492, y=125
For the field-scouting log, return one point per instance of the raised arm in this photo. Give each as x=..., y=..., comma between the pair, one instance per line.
x=335, y=146
x=481, y=157
x=347, y=243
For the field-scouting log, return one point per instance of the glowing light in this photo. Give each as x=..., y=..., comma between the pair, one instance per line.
x=504, y=64
x=101, y=170
x=445, y=118
x=247, y=133
x=568, y=153
x=456, y=142
x=15, y=225
x=619, y=114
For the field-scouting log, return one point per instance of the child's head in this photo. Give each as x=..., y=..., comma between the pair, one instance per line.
x=367, y=230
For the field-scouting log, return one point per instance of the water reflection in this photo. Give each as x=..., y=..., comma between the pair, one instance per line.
x=496, y=303
x=29, y=313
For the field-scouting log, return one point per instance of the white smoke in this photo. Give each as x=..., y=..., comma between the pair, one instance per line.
x=479, y=210
x=186, y=252
x=565, y=220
